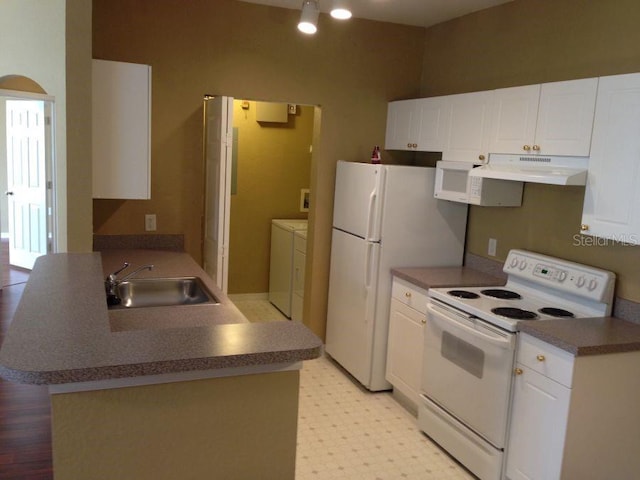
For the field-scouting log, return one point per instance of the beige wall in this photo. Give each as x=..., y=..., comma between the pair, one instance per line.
x=228, y=428
x=532, y=41
x=49, y=43
x=243, y=50
x=273, y=164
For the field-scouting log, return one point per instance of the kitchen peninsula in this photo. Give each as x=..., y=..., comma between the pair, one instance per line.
x=160, y=392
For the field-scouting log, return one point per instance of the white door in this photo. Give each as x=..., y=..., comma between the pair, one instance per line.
x=358, y=199
x=218, y=151
x=26, y=181
x=351, y=306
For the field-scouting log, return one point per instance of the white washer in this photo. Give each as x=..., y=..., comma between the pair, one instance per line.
x=281, y=272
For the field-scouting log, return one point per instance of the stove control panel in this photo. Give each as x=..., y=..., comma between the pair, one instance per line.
x=549, y=272
x=582, y=280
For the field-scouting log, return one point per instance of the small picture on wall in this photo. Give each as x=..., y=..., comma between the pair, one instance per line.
x=304, y=200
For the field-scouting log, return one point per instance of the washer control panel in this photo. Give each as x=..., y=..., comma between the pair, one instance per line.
x=582, y=280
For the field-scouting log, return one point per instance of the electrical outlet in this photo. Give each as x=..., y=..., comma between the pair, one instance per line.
x=150, y=222
x=493, y=244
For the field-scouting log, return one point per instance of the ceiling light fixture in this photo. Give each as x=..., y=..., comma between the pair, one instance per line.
x=340, y=10
x=309, y=17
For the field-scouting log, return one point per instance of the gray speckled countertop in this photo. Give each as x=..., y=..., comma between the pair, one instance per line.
x=587, y=336
x=427, y=277
x=62, y=331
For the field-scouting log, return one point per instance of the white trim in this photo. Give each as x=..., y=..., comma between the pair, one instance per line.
x=245, y=297
x=26, y=95
x=171, y=378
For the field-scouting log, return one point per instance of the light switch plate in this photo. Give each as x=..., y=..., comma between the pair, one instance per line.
x=493, y=244
x=150, y=222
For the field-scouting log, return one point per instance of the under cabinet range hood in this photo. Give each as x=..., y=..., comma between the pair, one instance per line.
x=551, y=170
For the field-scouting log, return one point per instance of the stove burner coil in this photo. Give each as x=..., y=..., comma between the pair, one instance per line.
x=515, y=313
x=463, y=294
x=501, y=294
x=556, y=312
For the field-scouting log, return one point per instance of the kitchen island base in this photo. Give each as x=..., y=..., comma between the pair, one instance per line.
x=221, y=428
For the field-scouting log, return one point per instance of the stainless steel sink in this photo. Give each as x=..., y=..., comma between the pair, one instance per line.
x=159, y=292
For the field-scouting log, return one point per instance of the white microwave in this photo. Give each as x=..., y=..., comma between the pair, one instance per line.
x=454, y=183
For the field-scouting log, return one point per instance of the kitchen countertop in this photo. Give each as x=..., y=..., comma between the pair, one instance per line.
x=427, y=277
x=62, y=331
x=587, y=336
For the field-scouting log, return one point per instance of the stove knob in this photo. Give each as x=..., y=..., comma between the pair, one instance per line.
x=593, y=283
x=514, y=262
x=523, y=265
x=562, y=275
x=580, y=281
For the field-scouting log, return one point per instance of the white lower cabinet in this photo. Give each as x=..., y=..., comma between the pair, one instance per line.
x=407, y=316
x=539, y=419
x=573, y=417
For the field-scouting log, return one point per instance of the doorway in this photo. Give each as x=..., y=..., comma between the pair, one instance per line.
x=26, y=172
x=269, y=177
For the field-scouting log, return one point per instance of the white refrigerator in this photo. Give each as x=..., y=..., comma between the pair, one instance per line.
x=384, y=216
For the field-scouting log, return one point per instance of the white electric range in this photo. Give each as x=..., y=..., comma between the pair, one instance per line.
x=470, y=344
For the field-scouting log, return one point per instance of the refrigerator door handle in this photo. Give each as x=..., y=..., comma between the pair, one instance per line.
x=367, y=267
x=370, y=213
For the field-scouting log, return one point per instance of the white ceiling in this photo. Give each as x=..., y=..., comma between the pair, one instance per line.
x=422, y=13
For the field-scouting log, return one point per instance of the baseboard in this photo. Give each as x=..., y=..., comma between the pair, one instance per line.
x=248, y=296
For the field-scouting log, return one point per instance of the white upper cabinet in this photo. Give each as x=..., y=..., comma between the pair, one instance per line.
x=612, y=198
x=468, y=131
x=515, y=114
x=121, y=129
x=418, y=124
x=549, y=119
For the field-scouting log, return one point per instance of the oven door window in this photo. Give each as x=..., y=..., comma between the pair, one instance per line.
x=468, y=369
x=463, y=354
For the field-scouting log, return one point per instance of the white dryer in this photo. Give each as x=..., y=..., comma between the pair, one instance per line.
x=281, y=269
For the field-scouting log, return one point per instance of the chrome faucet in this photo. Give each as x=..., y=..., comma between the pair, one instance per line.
x=112, y=281
x=135, y=272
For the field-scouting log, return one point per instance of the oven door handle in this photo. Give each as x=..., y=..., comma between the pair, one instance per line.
x=502, y=341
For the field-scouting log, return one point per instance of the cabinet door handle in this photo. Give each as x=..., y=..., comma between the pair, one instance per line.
x=407, y=294
x=526, y=148
x=540, y=358
x=408, y=145
x=481, y=157
x=424, y=321
x=584, y=227
x=518, y=371
x=536, y=148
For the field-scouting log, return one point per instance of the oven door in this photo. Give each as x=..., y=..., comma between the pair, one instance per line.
x=467, y=370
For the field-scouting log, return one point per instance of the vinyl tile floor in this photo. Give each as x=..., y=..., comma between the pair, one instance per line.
x=257, y=309
x=348, y=433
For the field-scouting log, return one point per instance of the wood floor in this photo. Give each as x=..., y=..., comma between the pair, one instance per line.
x=25, y=414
